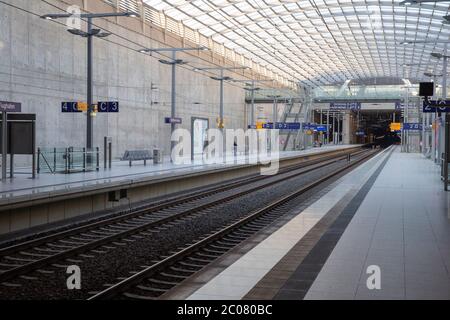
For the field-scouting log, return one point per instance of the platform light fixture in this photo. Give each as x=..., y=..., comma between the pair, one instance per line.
x=149, y=50
x=446, y=19
x=439, y=55
x=89, y=35
x=444, y=58
x=431, y=75
x=405, y=42
x=54, y=16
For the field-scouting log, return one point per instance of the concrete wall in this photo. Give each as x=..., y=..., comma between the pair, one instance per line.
x=41, y=65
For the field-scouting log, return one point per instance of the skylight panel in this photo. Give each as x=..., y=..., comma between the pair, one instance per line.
x=257, y=27
x=177, y=14
x=158, y=4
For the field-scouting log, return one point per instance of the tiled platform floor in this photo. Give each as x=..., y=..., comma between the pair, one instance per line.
x=401, y=225
x=121, y=173
x=259, y=261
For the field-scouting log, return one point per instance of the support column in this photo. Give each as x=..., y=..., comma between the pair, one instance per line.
x=338, y=128
x=433, y=128
x=334, y=128
x=275, y=111
x=4, y=144
x=406, y=133
x=252, y=115
x=173, y=103
x=328, y=126
x=346, y=124
x=446, y=124
x=89, y=125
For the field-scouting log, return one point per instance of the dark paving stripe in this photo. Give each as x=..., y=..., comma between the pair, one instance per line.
x=298, y=284
x=273, y=281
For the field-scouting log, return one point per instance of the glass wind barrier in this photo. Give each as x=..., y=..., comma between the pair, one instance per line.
x=268, y=94
x=67, y=160
x=362, y=92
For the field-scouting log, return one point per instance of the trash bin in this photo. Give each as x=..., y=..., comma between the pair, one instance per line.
x=157, y=156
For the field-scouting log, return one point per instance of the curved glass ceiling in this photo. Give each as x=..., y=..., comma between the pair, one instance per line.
x=322, y=41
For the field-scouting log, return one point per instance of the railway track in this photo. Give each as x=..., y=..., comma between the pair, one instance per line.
x=153, y=281
x=82, y=242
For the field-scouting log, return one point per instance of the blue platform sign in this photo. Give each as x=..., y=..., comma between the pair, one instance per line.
x=360, y=133
x=433, y=106
x=70, y=107
x=412, y=126
x=287, y=125
x=295, y=126
x=310, y=126
x=169, y=120
x=282, y=125
x=345, y=105
x=108, y=106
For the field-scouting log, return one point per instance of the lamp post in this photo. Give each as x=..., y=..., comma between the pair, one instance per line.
x=252, y=90
x=274, y=97
x=405, y=133
x=89, y=35
x=222, y=79
x=328, y=126
x=252, y=112
x=431, y=120
x=172, y=62
x=444, y=58
x=339, y=127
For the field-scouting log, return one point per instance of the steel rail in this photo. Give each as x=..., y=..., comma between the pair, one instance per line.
x=150, y=271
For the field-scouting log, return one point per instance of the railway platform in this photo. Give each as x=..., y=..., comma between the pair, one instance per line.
x=52, y=198
x=379, y=232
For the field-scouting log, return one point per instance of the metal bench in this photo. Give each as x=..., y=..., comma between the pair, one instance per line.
x=137, y=155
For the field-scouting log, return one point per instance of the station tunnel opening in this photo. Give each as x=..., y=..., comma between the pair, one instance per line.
x=377, y=127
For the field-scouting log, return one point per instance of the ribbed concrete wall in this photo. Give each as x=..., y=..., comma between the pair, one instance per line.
x=41, y=65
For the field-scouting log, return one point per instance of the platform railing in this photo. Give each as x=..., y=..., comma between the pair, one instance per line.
x=67, y=160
